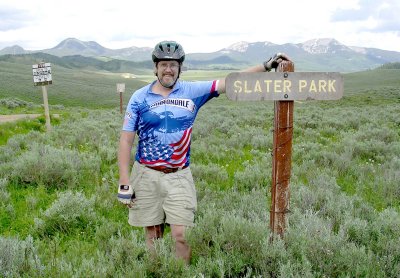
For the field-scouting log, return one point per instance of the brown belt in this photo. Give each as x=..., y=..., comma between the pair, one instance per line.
x=165, y=170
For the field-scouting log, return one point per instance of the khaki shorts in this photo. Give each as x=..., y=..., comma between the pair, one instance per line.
x=162, y=198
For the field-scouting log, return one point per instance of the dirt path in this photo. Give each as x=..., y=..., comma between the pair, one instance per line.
x=12, y=118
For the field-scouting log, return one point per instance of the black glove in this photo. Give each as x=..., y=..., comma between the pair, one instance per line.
x=274, y=61
x=126, y=194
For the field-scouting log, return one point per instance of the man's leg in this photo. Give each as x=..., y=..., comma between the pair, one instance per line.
x=153, y=233
x=182, y=249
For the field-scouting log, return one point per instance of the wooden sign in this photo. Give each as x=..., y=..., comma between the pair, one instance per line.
x=42, y=77
x=42, y=74
x=258, y=86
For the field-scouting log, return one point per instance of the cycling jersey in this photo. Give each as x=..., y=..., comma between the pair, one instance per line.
x=164, y=125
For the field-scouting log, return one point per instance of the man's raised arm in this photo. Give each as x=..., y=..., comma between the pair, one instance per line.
x=271, y=63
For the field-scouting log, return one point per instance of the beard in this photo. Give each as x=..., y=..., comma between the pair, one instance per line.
x=168, y=80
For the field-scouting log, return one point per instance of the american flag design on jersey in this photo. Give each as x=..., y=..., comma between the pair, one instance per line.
x=154, y=153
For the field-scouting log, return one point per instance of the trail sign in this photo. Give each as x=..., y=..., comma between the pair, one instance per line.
x=42, y=77
x=283, y=86
x=42, y=74
x=120, y=87
x=120, y=90
x=258, y=86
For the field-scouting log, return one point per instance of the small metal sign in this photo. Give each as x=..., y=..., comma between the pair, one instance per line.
x=120, y=87
x=256, y=86
x=42, y=74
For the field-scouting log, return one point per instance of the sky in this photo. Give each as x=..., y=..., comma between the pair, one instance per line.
x=199, y=26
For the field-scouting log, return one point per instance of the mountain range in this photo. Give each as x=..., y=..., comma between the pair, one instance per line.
x=323, y=54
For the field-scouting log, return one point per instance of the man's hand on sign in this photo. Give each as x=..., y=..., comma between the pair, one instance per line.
x=274, y=61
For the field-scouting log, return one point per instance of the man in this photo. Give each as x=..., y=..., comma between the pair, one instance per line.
x=160, y=188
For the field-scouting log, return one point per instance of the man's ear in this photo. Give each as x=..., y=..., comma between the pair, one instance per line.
x=155, y=69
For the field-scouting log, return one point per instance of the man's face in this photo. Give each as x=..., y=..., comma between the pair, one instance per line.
x=167, y=72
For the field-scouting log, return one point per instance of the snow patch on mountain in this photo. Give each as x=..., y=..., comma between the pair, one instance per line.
x=323, y=46
x=239, y=46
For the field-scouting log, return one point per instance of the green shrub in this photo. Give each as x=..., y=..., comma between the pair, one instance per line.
x=71, y=211
x=52, y=167
x=253, y=176
x=4, y=194
x=19, y=257
x=121, y=256
x=12, y=103
x=211, y=173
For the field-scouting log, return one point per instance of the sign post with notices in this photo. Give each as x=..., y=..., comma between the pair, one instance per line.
x=120, y=90
x=42, y=77
x=283, y=87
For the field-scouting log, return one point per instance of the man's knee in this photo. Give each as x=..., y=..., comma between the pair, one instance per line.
x=178, y=232
x=154, y=232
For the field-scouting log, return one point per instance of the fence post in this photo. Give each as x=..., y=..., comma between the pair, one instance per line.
x=46, y=108
x=282, y=156
x=120, y=102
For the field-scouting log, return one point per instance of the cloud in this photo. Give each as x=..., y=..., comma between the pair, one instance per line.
x=13, y=19
x=372, y=16
x=123, y=23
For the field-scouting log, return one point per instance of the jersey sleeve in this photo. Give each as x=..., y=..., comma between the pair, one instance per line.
x=131, y=117
x=202, y=91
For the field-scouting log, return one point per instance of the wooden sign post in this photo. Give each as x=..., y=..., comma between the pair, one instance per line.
x=120, y=90
x=283, y=87
x=282, y=158
x=42, y=77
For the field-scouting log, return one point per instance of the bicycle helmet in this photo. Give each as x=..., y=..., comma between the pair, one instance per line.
x=168, y=50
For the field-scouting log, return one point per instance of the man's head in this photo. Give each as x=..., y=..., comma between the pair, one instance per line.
x=168, y=57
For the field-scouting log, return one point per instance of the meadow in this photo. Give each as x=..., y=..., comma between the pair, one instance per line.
x=59, y=216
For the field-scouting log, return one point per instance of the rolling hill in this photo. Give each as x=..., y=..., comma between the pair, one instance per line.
x=77, y=86
x=323, y=54
x=92, y=82
x=80, y=62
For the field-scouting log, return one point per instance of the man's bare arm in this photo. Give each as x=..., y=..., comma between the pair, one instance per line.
x=124, y=155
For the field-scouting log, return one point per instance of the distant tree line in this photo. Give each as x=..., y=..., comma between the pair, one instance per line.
x=395, y=65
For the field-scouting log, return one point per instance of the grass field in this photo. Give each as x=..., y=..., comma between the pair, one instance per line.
x=59, y=216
